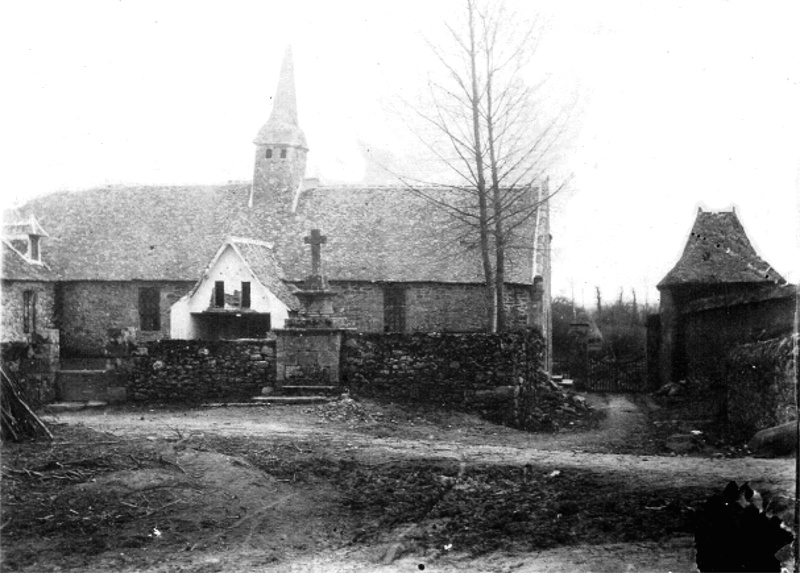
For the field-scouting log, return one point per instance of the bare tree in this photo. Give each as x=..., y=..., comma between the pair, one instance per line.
x=599, y=301
x=497, y=142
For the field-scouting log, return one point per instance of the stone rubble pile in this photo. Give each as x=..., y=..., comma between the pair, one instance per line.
x=549, y=406
x=345, y=410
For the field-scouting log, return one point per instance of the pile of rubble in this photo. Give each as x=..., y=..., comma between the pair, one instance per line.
x=550, y=407
x=345, y=410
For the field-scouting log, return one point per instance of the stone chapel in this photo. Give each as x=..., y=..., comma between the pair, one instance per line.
x=91, y=264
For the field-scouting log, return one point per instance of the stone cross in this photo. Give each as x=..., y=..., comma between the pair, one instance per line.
x=315, y=240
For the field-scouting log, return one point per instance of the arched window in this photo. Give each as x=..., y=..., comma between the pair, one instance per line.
x=269, y=153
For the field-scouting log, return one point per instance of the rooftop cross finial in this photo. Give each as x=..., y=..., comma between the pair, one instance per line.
x=315, y=239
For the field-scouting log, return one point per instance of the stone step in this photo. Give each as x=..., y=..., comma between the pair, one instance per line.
x=74, y=406
x=88, y=385
x=81, y=385
x=284, y=400
x=309, y=390
x=94, y=363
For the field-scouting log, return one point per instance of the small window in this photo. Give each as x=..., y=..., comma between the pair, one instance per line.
x=394, y=308
x=268, y=154
x=150, y=309
x=283, y=153
x=29, y=311
x=245, y=303
x=219, y=294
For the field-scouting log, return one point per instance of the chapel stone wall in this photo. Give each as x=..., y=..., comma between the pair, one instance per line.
x=94, y=314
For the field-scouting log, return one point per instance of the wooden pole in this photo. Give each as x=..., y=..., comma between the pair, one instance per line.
x=796, y=357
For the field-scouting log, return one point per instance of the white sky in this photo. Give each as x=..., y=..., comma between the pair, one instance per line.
x=680, y=104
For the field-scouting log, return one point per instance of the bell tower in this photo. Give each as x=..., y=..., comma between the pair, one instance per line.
x=281, y=148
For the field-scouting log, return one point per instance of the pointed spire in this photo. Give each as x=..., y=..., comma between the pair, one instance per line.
x=284, y=108
x=283, y=127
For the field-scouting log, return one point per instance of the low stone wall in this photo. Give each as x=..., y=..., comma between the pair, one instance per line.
x=493, y=374
x=761, y=380
x=34, y=364
x=198, y=370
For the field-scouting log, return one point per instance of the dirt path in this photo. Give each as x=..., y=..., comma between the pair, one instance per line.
x=270, y=540
x=587, y=450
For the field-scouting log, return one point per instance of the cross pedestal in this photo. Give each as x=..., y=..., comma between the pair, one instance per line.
x=316, y=294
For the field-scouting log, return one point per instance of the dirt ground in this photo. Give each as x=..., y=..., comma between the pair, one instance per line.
x=356, y=486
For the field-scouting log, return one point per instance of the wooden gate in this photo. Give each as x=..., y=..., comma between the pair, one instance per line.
x=609, y=375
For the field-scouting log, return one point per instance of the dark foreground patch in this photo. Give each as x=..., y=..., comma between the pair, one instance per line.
x=486, y=508
x=60, y=504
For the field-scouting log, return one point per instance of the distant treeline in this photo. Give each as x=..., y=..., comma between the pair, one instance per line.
x=621, y=323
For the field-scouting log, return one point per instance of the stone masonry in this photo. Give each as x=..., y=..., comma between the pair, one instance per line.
x=196, y=370
x=89, y=310
x=307, y=350
x=309, y=357
x=13, y=297
x=430, y=307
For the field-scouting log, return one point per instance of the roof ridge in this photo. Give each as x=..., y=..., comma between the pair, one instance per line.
x=248, y=241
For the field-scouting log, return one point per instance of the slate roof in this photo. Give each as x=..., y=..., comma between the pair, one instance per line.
x=718, y=251
x=261, y=260
x=171, y=233
x=17, y=267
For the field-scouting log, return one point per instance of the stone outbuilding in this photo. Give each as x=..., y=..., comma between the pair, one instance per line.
x=28, y=283
x=719, y=294
x=30, y=340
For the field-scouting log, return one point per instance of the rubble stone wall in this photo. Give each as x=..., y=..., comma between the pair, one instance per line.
x=195, y=370
x=496, y=375
x=34, y=363
x=761, y=381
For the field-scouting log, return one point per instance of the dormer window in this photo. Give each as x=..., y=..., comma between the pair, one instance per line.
x=268, y=153
x=34, y=249
x=25, y=237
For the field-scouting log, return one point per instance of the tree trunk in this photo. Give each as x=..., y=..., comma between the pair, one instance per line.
x=497, y=203
x=483, y=209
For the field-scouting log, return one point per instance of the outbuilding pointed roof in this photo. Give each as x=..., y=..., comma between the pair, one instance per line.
x=283, y=127
x=718, y=251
